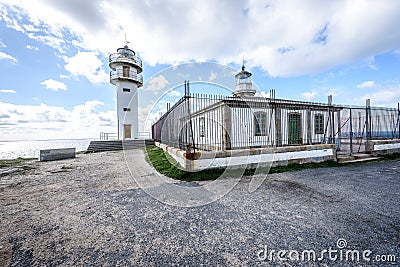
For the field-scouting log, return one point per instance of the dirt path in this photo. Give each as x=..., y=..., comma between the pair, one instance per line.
x=89, y=211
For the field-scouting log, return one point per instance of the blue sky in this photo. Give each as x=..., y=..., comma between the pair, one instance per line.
x=54, y=56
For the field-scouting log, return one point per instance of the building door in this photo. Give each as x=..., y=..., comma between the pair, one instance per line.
x=294, y=129
x=127, y=131
x=125, y=70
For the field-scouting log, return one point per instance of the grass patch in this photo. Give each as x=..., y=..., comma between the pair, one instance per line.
x=13, y=162
x=167, y=166
x=22, y=164
x=161, y=161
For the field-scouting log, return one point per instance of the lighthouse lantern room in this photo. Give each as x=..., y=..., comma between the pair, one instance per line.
x=126, y=67
x=244, y=86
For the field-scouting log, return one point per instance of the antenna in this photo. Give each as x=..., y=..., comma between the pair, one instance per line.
x=243, y=61
x=126, y=41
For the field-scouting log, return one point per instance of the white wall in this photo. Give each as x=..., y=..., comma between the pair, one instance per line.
x=242, y=130
x=127, y=100
x=306, y=156
x=213, y=128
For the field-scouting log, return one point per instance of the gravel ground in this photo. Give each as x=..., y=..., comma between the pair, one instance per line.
x=89, y=211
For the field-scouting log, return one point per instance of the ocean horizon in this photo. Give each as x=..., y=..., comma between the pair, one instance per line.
x=31, y=148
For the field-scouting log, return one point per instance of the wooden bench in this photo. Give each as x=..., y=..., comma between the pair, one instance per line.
x=57, y=154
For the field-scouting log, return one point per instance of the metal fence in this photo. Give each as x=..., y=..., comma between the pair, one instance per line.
x=217, y=123
x=362, y=124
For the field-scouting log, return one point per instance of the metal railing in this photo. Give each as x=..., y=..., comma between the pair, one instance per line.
x=207, y=122
x=146, y=135
x=132, y=75
x=122, y=58
x=108, y=136
x=359, y=125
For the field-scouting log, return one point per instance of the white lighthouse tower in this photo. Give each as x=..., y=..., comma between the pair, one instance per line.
x=125, y=75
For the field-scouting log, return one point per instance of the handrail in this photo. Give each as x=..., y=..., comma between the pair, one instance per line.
x=119, y=74
x=106, y=136
x=145, y=134
x=115, y=57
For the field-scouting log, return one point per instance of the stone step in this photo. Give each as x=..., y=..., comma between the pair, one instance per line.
x=99, y=146
x=362, y=156
x=343, y=160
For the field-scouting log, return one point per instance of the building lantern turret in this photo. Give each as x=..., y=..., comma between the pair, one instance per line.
x=244, y=86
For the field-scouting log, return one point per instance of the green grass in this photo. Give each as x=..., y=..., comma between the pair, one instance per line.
x=167, y=166
x=22, y=163
x=13, y=162
x=161, y=161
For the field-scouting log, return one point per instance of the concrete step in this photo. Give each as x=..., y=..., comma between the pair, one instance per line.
x=99, y=146
x=355, y=160
x=362, y=156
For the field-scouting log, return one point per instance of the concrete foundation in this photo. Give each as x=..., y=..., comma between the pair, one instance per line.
x=57, y=154
x=252, y=157
x=384, y=147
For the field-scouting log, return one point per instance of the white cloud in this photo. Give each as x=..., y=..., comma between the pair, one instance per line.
x=174, y=93
x=31, y=47
x=212, y=77
x=367, y=84
x=7, y=57
x=387, y=96
x=371, y=63
x=309, y=95
x=7, y=91
x=87, y=64
x=332, y=91
x=146, y=118
x=62, y=76
x=50, y=40
x=54, y=85
x=2, y=45
x=156, y=83
x=210, y=31
x=51, y=122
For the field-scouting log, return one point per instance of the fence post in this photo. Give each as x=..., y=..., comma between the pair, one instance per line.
x=351, y=133
x=278, y=127
x=339, y=131
x=398, y=117
x=331, y=119
x=226, y=127
x=367, y=123
x=309, y=130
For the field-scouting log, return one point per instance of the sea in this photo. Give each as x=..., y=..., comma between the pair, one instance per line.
x=31, y=149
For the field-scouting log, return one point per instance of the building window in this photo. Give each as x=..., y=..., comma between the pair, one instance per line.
x=260, y=124
x=126, y=90
x=125, y=71
x=127, y=109
x=202, y=127
x=319, y=124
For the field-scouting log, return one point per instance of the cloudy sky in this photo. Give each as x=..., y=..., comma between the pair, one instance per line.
x=54, y=80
